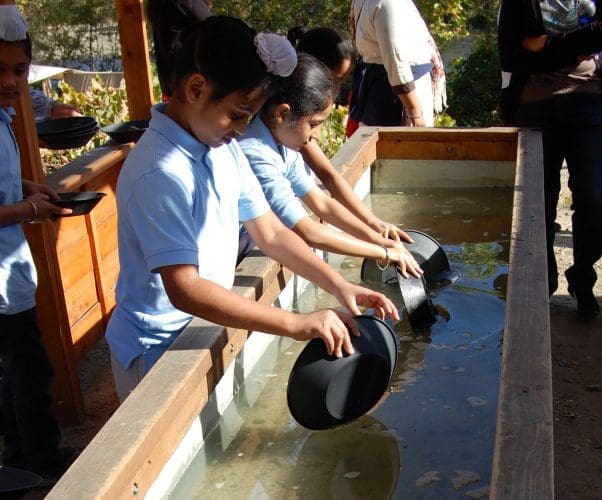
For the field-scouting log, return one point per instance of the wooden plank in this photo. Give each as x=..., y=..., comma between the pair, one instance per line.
x=98, y=268
x=87, y=330
x=51, y=310
x=523, y=460
x=85, y=169
x=431, y=134
x=153, y=420
x=493, y=144
x=357, y=154
x=135, y=57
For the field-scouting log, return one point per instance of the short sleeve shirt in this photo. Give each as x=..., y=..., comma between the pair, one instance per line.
x=178, y=202
x=280, y=171
x=18, y=277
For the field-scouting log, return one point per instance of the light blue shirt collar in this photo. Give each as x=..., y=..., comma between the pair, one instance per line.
x=6, y=115
x=260, y=131
x=175, y=134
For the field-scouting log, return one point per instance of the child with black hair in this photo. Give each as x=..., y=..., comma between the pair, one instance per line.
x=338, y=54
x=31, y=434
x=169, y=19
x=290, y=120
x=327, y=46
x=181, y=195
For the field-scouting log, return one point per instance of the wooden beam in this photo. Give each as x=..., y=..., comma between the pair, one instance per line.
x=135, y=57
x=523, y=457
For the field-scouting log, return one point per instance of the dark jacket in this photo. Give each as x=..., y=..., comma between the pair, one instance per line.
x=521, y=18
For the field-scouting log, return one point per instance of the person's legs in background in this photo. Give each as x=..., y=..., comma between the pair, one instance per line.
x=553, y=157
x=584, y=161
x=32, y=436
x=541, y=115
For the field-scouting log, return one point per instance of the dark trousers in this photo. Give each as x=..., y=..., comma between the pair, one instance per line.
x=245, y=244
x=571, y=127
x=31, y=434
x=373, y=101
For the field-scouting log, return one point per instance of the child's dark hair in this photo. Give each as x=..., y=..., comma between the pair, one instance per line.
x=308, y=90
x=325, y=44
x=222, y=49
x=25, y=45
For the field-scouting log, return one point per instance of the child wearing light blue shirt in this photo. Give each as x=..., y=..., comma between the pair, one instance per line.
x=289, y=121
x=31, y=433
x=182, y=193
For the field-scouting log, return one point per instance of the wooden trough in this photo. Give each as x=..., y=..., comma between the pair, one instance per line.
x=159, y=423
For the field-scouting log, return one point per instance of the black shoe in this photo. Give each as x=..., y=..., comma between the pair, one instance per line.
x=587, y=305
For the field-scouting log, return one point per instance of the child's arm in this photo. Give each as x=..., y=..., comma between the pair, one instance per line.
x=190, y=293
x=335, y=213
x=543, y=53
x=342, y=192
x=34, y=207
x=332, y=240
x=203, y=298
x=284, y=246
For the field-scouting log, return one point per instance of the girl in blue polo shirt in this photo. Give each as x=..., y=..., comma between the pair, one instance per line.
x=181, y=195
x=289, y=121
x=31, y=434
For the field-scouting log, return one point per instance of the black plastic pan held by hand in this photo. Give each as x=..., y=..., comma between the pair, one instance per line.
x=417, y=302
x=428, y=253
x=325, y=391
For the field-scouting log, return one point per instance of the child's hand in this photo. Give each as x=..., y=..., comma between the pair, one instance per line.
x=30, y=187
x=330, y=326
x=352, y=296
x=401, y=256
x=43, y=209
x=390, y=231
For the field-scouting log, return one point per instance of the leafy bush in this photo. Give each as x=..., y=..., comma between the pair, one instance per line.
x=332, y=134
x=473, y=85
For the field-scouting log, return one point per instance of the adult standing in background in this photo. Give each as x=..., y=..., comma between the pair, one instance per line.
x=400, y=79
x=553, y=81
x=168, y=19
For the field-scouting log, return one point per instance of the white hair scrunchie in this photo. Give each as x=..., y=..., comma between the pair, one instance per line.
x=277, y=53
x=13, y=26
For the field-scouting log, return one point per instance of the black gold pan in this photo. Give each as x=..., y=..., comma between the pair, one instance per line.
x=430, y=255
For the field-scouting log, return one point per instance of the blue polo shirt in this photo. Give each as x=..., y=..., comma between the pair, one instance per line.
x=280, y=170
x=18, y=278
x=178, y=202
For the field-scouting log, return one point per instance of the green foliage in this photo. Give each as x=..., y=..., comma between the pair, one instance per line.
x=332, y=134
x=75, y=33
x=482, y=256
x=279, y=16
x=473, y=86
x=444, y=120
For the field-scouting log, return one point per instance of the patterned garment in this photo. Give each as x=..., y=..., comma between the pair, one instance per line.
x=559, y=15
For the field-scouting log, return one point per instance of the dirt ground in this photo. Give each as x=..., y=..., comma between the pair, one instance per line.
x=577, y=382
x=577, y=379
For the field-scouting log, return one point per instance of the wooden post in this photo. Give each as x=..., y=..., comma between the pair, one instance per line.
x=135, y=57
x=52, y=315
